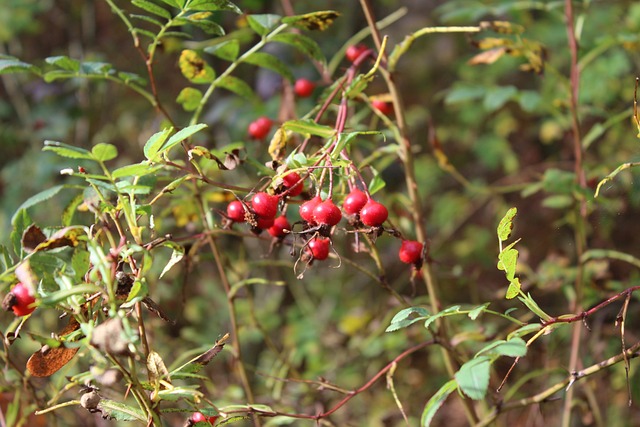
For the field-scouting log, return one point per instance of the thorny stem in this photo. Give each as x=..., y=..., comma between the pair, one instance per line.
x=416, y=206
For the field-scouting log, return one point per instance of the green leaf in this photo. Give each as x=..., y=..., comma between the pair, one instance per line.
x=138, y=169
x=262, y=24
x=20, y=221
x=270, y=62
x=131, y=78
x=152, y=8
x=95, y=68
x=189, y=98
x=69, y=151
x=64, y=62
x=447, y=311
x=148, y=19
x=463, y=93
x=213, y=5
x=515, y=347
x=227, y=50
x=558, y=201
x=200, y=20
x=176, y=256
x=14, y=65
x=104, y=152
x=194, y=68
x=314, y=21
x=525, y=330
x=476, y=312
x=507, y=260
x=152, y=146
x=496, y=97
x=181, y=136
x=308, y=128
x=301, y=42
x=404, y=318
x=376, y=184
x=473, y=377
x=120, y=411
x=506, y=224
x=514, y=289
x=38, y=198
x=436, y=402
x=238, y=86
x=173, y=3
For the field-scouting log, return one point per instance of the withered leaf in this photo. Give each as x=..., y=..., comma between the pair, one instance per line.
x=206, y=357
x=488, y=56
x=47, y=360
x=32, y=237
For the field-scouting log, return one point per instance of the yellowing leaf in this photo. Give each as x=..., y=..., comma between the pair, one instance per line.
x=278, y=144
x=194, y=68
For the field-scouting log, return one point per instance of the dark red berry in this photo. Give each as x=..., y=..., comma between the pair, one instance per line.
x=354, y=51
x=354, y=202
x=279, y=226
x=19, y=300
x=306, y=209
x=235, y=211
x=410, y=251
x=265, y=205
x=290, y=181
x=260, y=127
x=264, y=223
x=327, y=213
x=304, y=88
x=373, y=214
x=384, y=107
x=319, y=248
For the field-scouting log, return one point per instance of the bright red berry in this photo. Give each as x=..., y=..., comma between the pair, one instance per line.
x=290, y=180
x=354, y=202
x=410, y=251
x=265, y=205
x=279, y=226
x=373, y=214
x=235, y=211
x=327, y=213
x=306, y=209
x=19, y=300
x=319, y=248
x=354, y=51
x=384, y=107
x=260, y=127
x=304, y=88
x=198, y=417
x=264, y=223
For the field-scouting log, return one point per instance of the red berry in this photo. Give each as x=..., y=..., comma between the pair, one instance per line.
x=290, y=180
x=280, y=224
x=327, y=213
x=198, y=417
x=354, y=202
x=264, y=223
x=319, y=248
x=384, y=107
x=410, y=251
x=306, y=209
x=21, y=302
x=265, y=205
x=373, y=214
x=235, y=211
x=260, y=127
x=304, y=88
x=354, y=51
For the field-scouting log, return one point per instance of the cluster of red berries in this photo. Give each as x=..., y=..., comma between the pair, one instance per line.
x=19, y=300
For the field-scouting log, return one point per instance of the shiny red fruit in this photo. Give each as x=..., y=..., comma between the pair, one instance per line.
x=384, y=107
x=354, y=202
x=279, y=226
x=290, y=181
x=22, y=301
x=265, y=205
x=410, y=251
x=264, y=223
x=260, y=127
x=199, y=417
x=235, y=211
x=306, y=209
x=354, y=51
x=319, y=248
x=373, y=214
x=304, y=88
x=327, y=213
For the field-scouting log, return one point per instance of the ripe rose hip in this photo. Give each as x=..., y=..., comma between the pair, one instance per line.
x=290, y=180
x=319, y=248
x=306, y=209
x=265, y=205
x=354, y=202
x=199, y=417
x=19, y=300
x=235, y=211
x=373, y=214
x=354, y=51
x=264, y=223
x=384, y=107
x=410, y=251
x=260, y=127
x=279, y=226
x=304, y=88
x=327, y=213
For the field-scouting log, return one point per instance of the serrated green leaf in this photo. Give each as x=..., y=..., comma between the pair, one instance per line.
x=148, y=19
x=516, y=347
x=525, y=330
x=39, y=198
x=173, y=3
x=476, y=312
x=227, y=50
x=473, y=377
x=213, y=5
x=104, y=152
x=436, y=402
x=200, y=20
x=13, y=65
x=506, y=224
x=181, y=136
x=178, y=34
x=262, y=24
x=514, y=289
x=120, y=411
x=270, y=62
x=189, y=98
x=447, y=311
x=138, y=169
x=308, y=128
x=152, y=8
x=314, y=21
x=65, y=150
x=376, y=184
x=152, y=146
x=127, y=77
x=301, y=42
x=403, y=318
x=507, y=260
x=238, y=86
x=64, y=62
